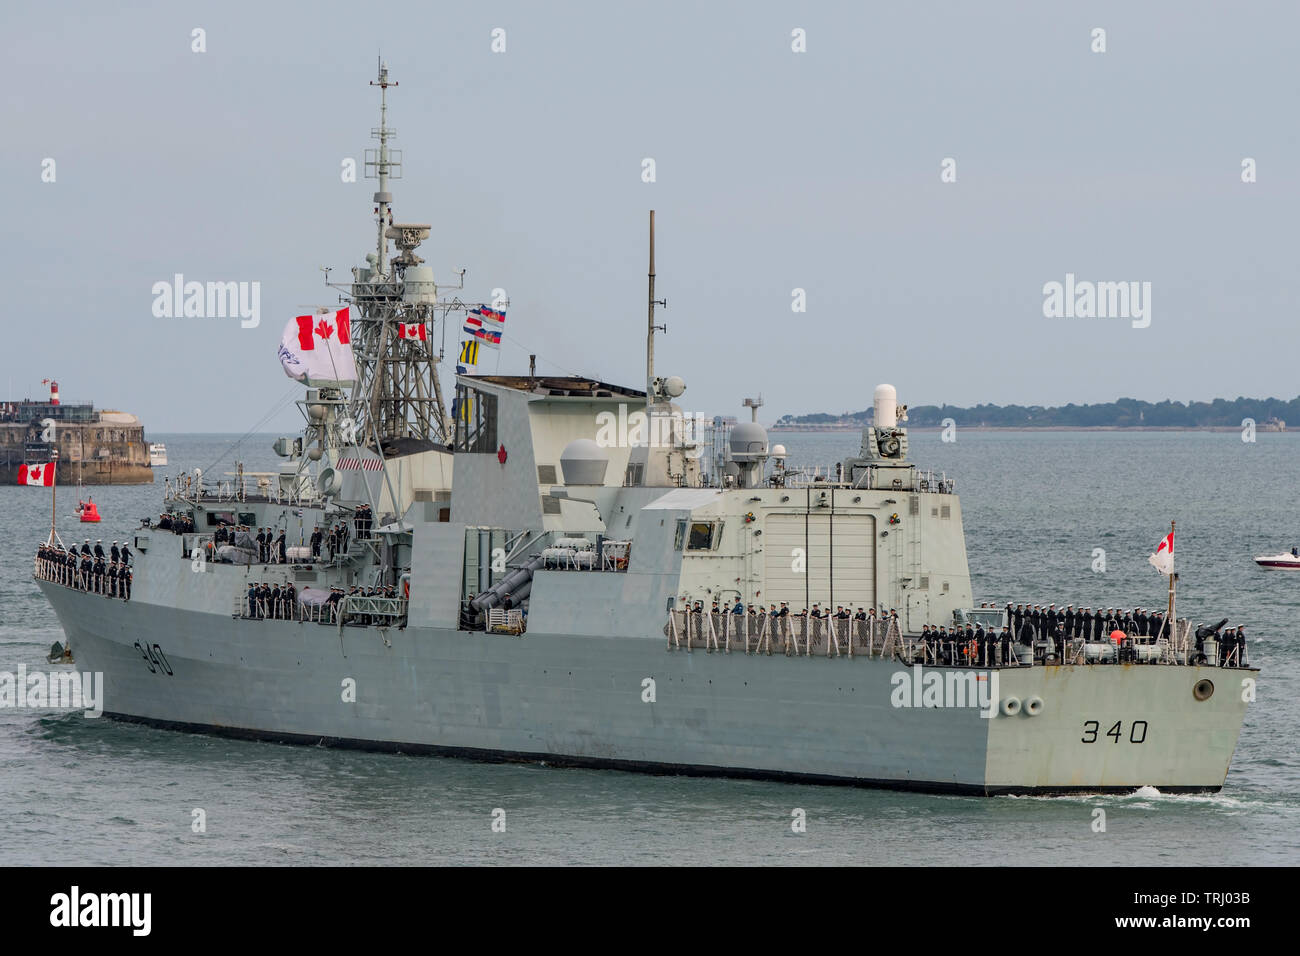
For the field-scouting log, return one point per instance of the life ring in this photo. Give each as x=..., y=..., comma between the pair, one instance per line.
x=1034, y=706
x=1011, y=706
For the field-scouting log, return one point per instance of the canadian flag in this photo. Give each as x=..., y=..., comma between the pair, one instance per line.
x=1163, y=559
x=36, y=474
x=413, y=331
x=318, y=348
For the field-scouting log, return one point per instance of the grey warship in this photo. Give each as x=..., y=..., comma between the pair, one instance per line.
x=608, y=585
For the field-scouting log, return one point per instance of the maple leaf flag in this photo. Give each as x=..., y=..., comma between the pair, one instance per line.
x=316, y=349
x=40, y=475
x=1163, y=559
x=413, y=331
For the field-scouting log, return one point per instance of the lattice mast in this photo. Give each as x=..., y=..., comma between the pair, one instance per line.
x=397, y=395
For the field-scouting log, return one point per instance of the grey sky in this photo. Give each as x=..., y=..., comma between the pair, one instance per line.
x=775, y=170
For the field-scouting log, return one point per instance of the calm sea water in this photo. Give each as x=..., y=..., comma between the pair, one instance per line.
x=1036, y=506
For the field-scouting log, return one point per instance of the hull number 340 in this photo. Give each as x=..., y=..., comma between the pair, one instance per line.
x=1137, y=732
x=154, y=659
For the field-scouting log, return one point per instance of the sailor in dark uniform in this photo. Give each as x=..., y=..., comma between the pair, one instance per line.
x=283, y=551
x=252, y=600
x=112, y=579
x=126, y=554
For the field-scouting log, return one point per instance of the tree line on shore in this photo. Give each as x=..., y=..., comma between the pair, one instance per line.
x=1124, y=413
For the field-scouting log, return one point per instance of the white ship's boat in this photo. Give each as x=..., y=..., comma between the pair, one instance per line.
x=1288, y=560
x=157, y=454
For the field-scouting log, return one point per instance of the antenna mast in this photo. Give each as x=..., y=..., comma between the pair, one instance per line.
x=382, y=164
x=651, y=393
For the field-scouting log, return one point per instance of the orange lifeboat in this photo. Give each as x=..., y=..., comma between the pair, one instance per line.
x=88, y=511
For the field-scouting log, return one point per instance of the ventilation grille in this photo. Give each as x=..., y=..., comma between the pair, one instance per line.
x=945, y=511
x=546, y=475
x=925, y=583
x=550, y=506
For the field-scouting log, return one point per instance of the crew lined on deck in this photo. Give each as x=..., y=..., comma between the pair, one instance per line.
x=1036, y=634
x=87, y=570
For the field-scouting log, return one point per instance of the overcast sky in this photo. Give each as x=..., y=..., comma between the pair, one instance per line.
x=775, y=170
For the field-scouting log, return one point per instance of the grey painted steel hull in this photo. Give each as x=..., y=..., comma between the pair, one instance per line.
x=570, y=699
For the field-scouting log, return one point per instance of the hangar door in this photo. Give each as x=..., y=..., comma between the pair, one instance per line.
x=820, y=558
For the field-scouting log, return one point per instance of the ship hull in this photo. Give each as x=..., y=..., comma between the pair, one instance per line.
x=584, y=701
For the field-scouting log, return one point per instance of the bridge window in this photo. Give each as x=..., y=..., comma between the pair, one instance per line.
x=698, y=535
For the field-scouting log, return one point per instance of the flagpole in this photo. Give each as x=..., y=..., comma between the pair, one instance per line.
x=53, y=485
x=1171, y=619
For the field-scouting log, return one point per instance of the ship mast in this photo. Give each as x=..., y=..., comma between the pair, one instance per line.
x=651, y=392
x=397, y=393
x=382, y=165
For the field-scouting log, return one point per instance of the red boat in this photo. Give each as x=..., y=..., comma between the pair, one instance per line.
x=87, y=511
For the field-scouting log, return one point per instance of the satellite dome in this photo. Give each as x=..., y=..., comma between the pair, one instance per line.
x=583, y=462
x=748, y=441
x=674, y=385
x=778, y=451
